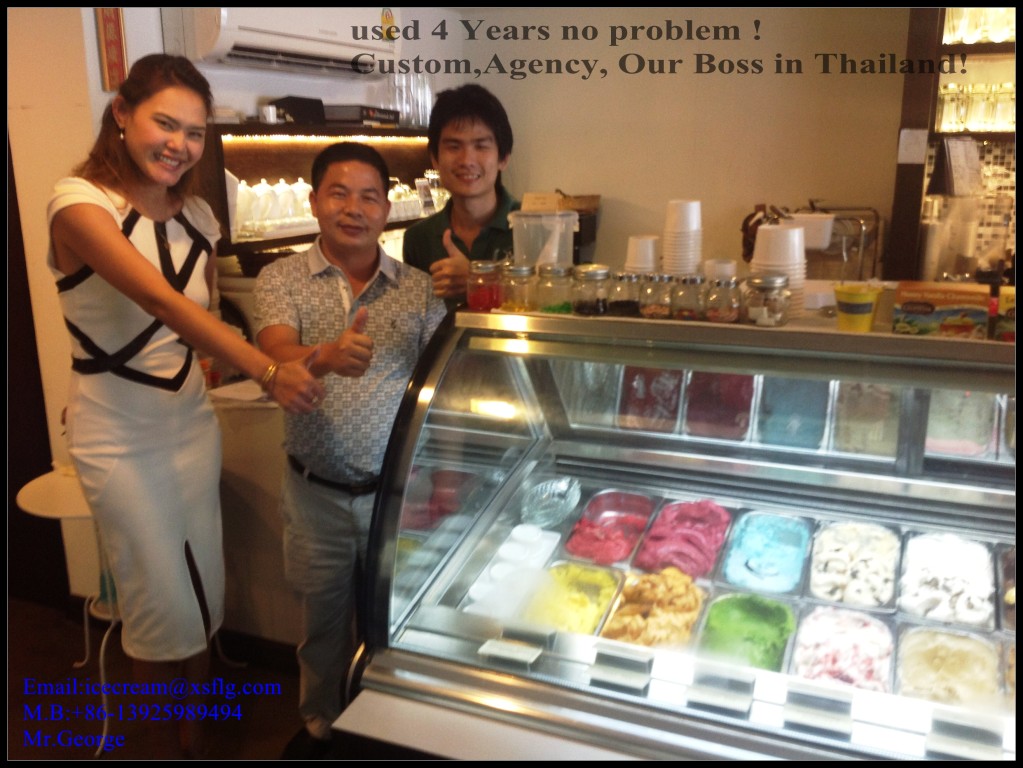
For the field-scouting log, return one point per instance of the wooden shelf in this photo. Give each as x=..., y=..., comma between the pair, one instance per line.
x=981, y=49
x=995, y=136
x=307, y=129
x=253, y=160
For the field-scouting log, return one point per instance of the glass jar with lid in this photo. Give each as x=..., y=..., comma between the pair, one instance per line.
x=655, y=297
x=689, y=298
x=554, y=289
x=590, y=289
x=518, y=283
x=723, y=300
x=623, y=295
x=483, y=289
x=767, y=299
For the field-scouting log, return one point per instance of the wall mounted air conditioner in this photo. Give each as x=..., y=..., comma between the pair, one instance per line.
x=311, y=41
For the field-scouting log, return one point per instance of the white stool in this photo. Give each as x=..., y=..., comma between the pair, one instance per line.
x=57, y=495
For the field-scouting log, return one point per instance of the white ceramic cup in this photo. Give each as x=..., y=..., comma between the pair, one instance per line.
x=641, y=255
x=268, y=114
x=683, y=216
x=779, y=244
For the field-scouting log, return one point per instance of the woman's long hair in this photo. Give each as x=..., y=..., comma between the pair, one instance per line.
x=109, y=163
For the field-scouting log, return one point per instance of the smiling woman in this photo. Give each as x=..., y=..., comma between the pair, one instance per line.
x=132, y=256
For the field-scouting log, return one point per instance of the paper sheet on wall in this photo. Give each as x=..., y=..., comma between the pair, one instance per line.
x=912, y=146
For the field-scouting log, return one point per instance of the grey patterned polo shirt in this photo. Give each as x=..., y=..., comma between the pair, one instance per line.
x=345, y=438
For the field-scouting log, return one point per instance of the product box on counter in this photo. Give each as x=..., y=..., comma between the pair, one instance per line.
x=1005, y=322
x=941, y=309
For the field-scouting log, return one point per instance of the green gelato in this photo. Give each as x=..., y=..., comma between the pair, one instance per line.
x=748, y=630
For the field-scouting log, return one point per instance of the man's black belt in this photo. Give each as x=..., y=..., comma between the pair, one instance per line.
x=360, y=489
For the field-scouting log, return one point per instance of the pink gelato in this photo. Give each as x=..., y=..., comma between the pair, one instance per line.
x=606, y=540
x=844, y=646
x=687, y=535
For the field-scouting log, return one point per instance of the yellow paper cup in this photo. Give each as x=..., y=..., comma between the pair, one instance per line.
x=856, y=303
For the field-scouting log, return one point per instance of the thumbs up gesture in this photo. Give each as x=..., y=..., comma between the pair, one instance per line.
x=451, y=274
x=352, y=353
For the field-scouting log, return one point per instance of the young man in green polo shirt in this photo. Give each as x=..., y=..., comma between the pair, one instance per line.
x=470, y=143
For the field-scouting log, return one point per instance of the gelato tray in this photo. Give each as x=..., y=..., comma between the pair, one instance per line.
x=855, y=563
x=1007, y=587
x=572, y=597
x=948, y=578
x=649, y=399
x=844, y=646
x=687, y=535
x=749, y=630
x=1010, y=673
x=433, y=495
x=961, y=423
x=867, y=419
x=514, y=572
x=718, y=405
x=610, y=526
x=793, y=412
x=948, y=667
x=766, y=552
x=656, y=609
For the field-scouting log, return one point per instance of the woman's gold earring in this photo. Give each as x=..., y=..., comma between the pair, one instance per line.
x=122, y=134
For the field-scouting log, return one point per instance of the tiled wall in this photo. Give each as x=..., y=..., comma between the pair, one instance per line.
x=998, y=217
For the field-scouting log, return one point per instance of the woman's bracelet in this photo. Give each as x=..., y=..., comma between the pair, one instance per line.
x=269, y=377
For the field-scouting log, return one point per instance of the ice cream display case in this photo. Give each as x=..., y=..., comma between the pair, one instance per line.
x=686, y=540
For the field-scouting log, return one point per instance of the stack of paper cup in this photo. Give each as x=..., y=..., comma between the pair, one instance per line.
x=780, y=248
x=641, y=258
x=682, y=244
x=719, y=269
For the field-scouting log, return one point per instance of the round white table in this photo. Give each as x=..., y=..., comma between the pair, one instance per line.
x=57, y=495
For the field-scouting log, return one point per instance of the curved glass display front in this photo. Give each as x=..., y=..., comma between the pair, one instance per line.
x=671, y=535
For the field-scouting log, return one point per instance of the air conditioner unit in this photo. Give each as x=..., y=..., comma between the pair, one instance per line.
x=312, y=41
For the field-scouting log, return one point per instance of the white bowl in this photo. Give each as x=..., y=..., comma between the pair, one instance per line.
x=817, y=228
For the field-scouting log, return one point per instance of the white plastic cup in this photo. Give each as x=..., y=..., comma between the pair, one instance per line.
x=641, y=255
x=683, y=216
x=719, y=269
x=779, y=245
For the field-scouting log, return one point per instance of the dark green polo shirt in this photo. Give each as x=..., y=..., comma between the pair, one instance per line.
x=423, y=243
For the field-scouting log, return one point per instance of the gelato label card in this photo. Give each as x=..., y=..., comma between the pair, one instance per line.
x=519, y=653
x=721, y=686
x=963, y=735
x=813, y=719
x=534, y=634
x=638, y=659
x=819, y=708
x=617, y=677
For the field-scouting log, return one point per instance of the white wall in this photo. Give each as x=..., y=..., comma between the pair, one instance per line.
x=731, y=141
x=638, y=140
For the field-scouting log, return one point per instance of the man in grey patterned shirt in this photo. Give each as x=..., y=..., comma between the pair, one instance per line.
x=364, y=318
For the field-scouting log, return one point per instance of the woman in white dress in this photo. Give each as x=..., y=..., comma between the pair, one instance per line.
x=133, y=255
